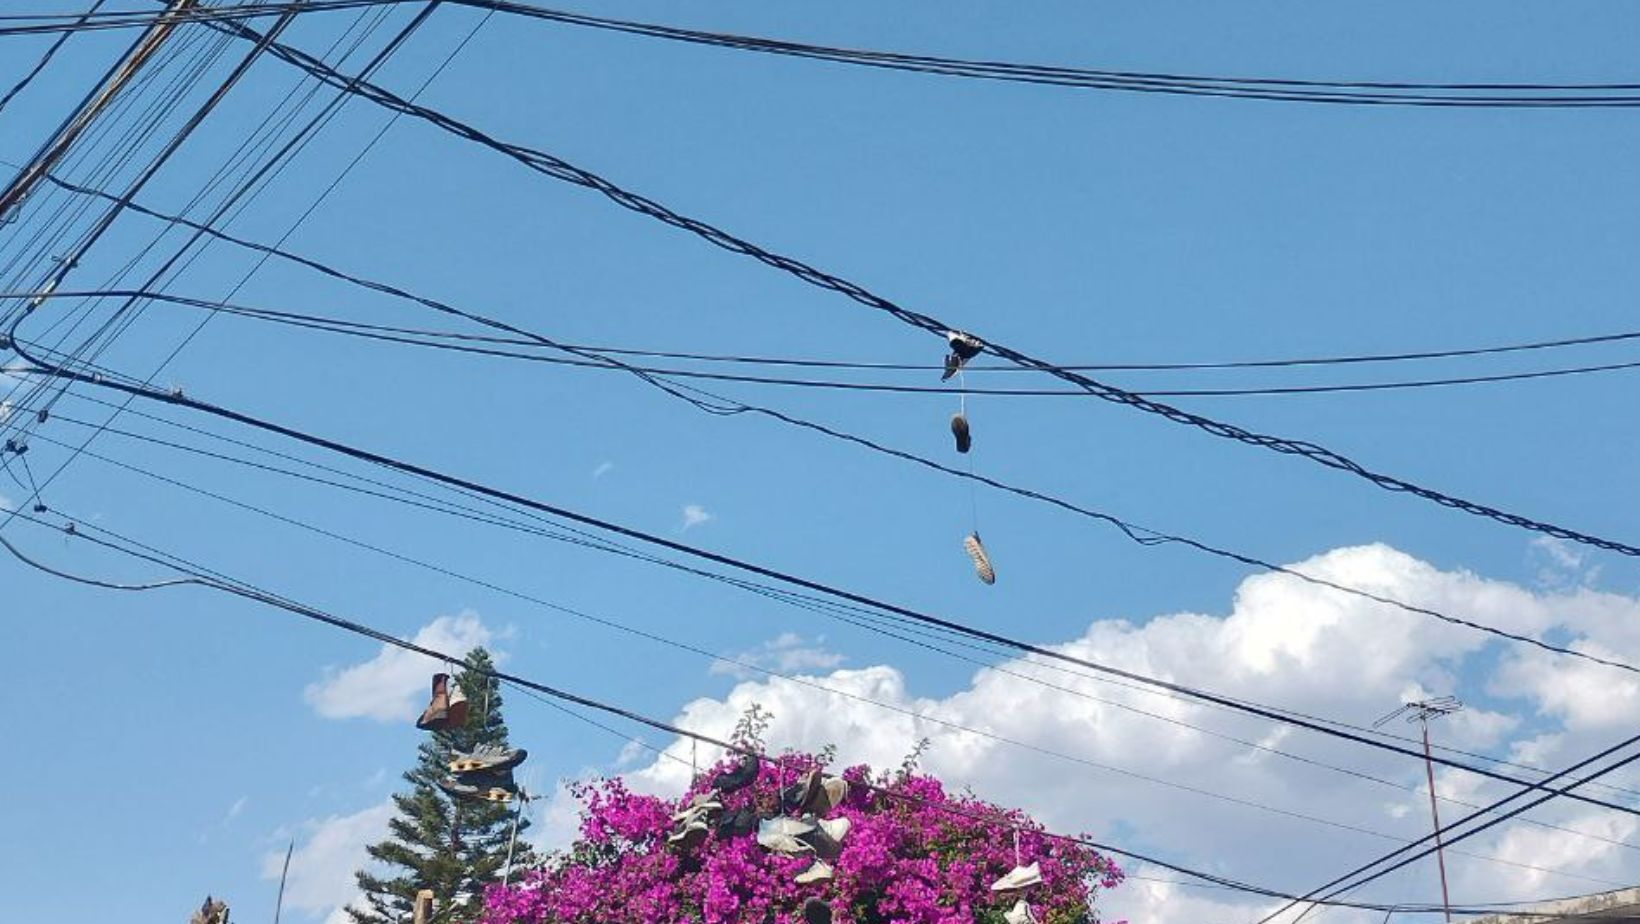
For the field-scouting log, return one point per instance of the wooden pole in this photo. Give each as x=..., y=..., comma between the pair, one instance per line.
x=424, y=906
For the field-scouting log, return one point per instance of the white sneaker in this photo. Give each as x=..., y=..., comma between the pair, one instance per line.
x=1020, y=877
x=781, y=835
x=1020, y=914
x=835, y=828
x=835, y=789
x=819, y=872
x=982, y=560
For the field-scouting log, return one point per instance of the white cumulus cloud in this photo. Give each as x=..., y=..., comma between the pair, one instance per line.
x=1184, y=780
x=322, y=866
x=787, y=653
x=392, y=686
x=694, y=515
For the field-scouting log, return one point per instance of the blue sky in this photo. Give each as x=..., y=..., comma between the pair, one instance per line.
x=189, y=733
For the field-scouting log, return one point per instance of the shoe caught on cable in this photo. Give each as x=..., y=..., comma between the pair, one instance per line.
x=781, y=835
x=959, y=429
x=436, y=717
x=1020, y=877
x=739, y=777
x=737, y=823
x=827, y=837
x=457, y=714
x=982, y=561
x=699, y=807
x=800, y=795
x=816, y=911
x=963, y=348
x=833, y=792
x=689, y=836
x=819, y=871
x=491, y=786
x=1020, y=913
x=487, y=757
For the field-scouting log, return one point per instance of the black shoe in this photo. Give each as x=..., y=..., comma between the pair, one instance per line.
x=738, y=823
x=740, y=777
x=816, y=911
x=959, y=429
x=964, y=346
x=799, y=795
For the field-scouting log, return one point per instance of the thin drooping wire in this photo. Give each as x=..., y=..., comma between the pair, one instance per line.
x=717, y=404
x=57, y=24
x=741, y=565
x=45, y=59
x=563, y=170
x=1410, y=853
x=422, y=500
x=215, y=580
x=453, y=341
x=280, y=158
x=1313, y=91
x=714, y=657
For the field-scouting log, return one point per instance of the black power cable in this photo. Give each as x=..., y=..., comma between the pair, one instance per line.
x=182, y=400
x=563, y=170
x=45, y=59
x=451, y=341
x=716, y=404
x=215, y=580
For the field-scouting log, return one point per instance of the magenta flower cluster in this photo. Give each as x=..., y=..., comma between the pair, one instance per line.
x=914, y=854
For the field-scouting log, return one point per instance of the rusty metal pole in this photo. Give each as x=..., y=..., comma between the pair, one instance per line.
x=1435, y=813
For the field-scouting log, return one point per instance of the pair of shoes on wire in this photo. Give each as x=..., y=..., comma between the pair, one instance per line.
x=486, y=758
x=485, y=772
x=489, y=786
x=695, y=821
x=447, y=710
x=814, y=794
x=963, y=348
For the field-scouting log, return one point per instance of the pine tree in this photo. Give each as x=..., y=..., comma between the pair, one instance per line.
x=454, y=848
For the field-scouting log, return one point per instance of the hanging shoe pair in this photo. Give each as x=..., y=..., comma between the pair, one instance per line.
x=783, y=835
x=486, y=758
x=963, y=348
x=490, y=786
x=700, y=806
x=1020, y=877
x=814, y=794
x=826, y=840
x=447, y=710
x=982, y=560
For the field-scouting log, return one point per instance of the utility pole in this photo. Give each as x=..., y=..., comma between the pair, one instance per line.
x=1422, y=711
x=54, y=149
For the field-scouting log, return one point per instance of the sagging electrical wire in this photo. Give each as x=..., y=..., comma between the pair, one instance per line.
x=761, y=571
x=215, y=580
x=563, y=170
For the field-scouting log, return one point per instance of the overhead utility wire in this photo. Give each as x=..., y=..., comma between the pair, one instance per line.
x=182, y=400
x=427, y=501
x=1349, y=92
x=249, y=186
x=213, y=580
x=611, y=623
x=45, y=59
x=724, y=406
x=489, y=519
x=1444, y=835
x=563, y=170
x=450, y=341
x=54, y=23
